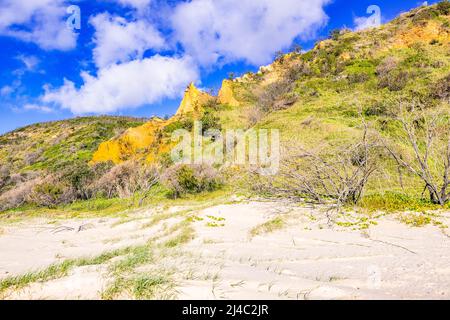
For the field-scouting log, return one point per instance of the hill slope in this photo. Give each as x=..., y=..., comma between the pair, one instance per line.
x=316, y=99
x=53, y=146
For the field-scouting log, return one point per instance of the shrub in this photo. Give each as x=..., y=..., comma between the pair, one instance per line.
x=254, y=115
x=388, y=65
x=51, y=192
x=335, y=34
x=377, y=109
x=126, y=179
x=79, y=177
x=394, y=81
x=441, y=90
x=275, y=96
x=33, y=157
x=4, y=175
x=360, y=70
x=186, y=124
x=210, y=121
x=444, y=7
x=17, y=196
x=298, y=70
x=184, y=179
x=358, y=77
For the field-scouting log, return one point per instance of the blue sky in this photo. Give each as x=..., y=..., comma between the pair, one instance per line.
x=135, y=57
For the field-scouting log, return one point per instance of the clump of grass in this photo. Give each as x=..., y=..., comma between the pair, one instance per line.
x=141, y=287
x=147, y=286
x=136, y=257
x=186, y=235
x=268, y=227
x=57, y=271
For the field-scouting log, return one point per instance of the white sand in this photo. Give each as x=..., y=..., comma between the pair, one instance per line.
x=304, y=260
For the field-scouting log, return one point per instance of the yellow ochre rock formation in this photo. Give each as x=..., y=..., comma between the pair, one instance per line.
x=226, y=94
x=145, y=141
x=129, y=143
x=192, y=101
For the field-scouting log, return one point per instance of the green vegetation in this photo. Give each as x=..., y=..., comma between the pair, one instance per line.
x=396, y=201
x=374, y=84
x=268, y=227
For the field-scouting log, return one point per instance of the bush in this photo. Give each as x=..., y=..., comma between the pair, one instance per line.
x=444, y=7
x=210, y=121
x=126, y=179
x=4, y=176
x=386, y=66
x=275, y=96
x=186, y=124
x=79, y=177
x=184, y=179
x=360, y=70
x=394, y=81
x=51, y=192
x=297, y=71
x=254, y=115
x=18, y=196
x=441, y=90
x=377, y=109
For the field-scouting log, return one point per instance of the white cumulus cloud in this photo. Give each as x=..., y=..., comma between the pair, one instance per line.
x=138, y=4
x=118, y=40
x=229, y=30
x=42, y=22
x=129, y=85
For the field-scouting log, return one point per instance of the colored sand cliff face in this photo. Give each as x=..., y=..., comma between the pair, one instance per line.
x=146, y=141
x=192, y=102
x=226, y=94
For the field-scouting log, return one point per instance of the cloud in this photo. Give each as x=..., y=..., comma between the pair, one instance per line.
x=30, y=62
x=37, y=107
x=138, y=4
x=372, y=21
x=118, y=40
x=124, y=86
x=42, y=22
x=230, y=30
x=6, y=90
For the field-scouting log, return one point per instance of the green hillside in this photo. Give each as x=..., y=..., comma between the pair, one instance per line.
x=339, y=108
x=50, y=147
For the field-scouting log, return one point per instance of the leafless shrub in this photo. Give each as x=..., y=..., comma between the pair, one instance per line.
x=322, y=177
x=185, y=179
x=277, y=96
x=33, y=157
x=298, y=70
x=389, y=76
x=427, y=132
x=441, y=90
x=388, y=65
x=126, y=179
x=18, y=196
x=254, y=115
x=394, y=81
x=4, y=175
